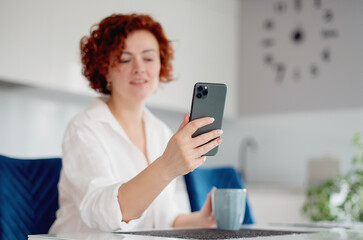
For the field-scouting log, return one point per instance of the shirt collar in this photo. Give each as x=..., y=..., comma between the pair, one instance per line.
x=99, y=111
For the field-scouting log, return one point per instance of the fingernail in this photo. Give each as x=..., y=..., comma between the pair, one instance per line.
x=205, y=158
x=212, y=119
x=219, y=140
x=220, y=132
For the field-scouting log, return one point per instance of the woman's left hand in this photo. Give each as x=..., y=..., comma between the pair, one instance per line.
x=206, y=214
x=203, y=218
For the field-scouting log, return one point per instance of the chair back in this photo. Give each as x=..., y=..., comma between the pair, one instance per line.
x=200, y=182
x=28, y=196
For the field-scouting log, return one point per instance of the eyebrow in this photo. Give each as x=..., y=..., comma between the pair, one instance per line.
x=144, y=51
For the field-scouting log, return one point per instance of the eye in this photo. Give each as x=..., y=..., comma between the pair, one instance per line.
x=125, y=60
x=148, y=59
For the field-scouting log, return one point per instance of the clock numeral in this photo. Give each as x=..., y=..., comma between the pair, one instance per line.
x=314, y=70
x=325, y=55
x=329, y=33
x=317, y=4
x=280, y=72
x=328, y=15
x=268, y=59
x=269, y=24
x=296, y=74
x=280, y=7
x=268, y=42
x=297, y=5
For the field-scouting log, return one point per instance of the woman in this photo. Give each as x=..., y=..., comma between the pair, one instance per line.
x=120, y=161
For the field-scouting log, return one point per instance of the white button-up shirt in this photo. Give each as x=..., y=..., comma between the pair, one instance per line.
x=98, y=157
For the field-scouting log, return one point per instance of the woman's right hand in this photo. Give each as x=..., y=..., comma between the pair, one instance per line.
x=184, y=153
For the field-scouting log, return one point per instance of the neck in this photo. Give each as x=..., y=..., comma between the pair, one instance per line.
x=129, y=114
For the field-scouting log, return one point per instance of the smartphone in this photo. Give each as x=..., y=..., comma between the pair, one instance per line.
x=208, y=101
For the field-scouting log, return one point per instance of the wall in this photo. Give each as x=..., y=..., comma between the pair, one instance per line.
x=294, y=115
x=33, y=120
x=40, y=41
x=337, y=82
x=287, y=141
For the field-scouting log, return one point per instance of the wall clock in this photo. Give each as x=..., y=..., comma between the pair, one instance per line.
x=298, y=34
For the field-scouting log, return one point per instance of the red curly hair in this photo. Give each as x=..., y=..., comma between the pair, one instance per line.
x=110, y=35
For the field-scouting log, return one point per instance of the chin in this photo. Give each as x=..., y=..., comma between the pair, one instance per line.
x=143, y=96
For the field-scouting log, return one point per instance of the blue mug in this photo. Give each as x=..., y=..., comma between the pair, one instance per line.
x=229, y=207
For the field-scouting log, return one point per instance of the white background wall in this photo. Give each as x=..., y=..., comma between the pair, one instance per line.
x=40, y=43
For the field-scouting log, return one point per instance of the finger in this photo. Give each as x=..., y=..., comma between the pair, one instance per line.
x=194, y=125
x=207, y=147
x=207, y=208
x=206, y=137
x=187, y=117
x=199, y=161
x=185, y=122
x=208, y=202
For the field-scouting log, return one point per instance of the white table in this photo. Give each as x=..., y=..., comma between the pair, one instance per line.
x=319, y=234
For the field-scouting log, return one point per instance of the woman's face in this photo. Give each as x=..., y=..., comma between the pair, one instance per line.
x=137, y=75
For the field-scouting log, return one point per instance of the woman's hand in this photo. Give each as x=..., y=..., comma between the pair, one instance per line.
x=183, y=153
x=203, y=218
x=206, y=214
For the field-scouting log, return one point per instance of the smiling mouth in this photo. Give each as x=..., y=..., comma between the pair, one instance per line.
x=139, y=82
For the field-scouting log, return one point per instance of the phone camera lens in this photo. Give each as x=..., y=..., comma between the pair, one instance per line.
x=200, y=88
x=205, y=92
x=199, y=95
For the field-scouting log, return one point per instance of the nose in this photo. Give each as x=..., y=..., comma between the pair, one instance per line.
x=139, y=66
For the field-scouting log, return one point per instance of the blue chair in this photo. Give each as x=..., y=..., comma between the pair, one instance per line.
x=28, y=196
x=201, y=180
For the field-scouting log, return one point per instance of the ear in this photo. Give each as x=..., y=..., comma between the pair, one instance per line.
x=108, y=83
x=107, y=76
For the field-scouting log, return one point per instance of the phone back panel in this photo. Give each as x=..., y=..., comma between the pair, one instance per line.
x=210, y=105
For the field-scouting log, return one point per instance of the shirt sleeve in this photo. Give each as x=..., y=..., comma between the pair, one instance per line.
x=93, y=186
x=171, y=197
x=166, y=216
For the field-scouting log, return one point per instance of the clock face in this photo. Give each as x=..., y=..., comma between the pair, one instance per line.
x=294, y=31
